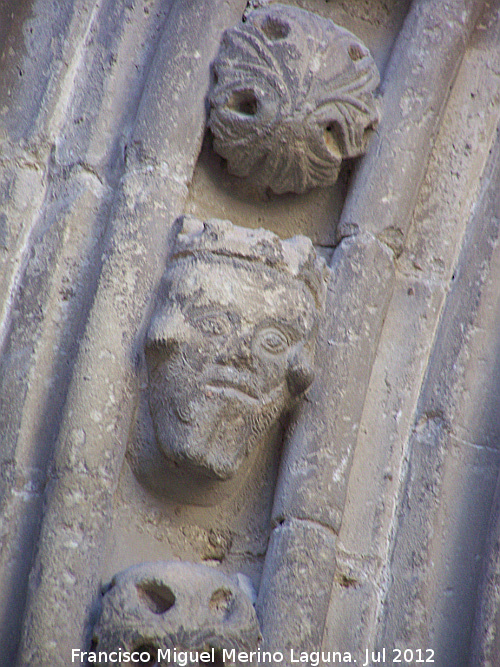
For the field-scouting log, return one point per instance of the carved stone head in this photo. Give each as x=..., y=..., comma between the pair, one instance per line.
x=230, y=346
x=291, y=97
x=175, y=605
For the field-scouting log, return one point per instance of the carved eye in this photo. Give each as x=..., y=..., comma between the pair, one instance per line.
x=221, y=601
x=157, y=597
x=216, y=324
x=273, y=341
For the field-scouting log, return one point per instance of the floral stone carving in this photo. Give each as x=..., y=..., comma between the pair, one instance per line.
x=158, y=606
x=292, y=96
x=229, y=349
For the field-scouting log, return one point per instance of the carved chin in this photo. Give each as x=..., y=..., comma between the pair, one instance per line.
x=211, y=437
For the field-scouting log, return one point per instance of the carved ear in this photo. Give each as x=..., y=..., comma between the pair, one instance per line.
x=300, y=372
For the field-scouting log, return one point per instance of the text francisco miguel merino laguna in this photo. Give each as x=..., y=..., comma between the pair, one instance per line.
x=228, y=656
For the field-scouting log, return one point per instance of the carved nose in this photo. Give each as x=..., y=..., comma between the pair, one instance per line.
x=166, y=341
x=164, y=344
x=164, y=334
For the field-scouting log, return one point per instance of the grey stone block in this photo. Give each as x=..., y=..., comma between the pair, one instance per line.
x=416, y=84
x=295, y=589
x=318, y=452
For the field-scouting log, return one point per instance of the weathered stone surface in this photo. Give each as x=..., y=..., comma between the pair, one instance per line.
x=317, y=456
x=94, y=429
x=295, y=588
x=229, y=349
x=367, y=610
x=318, y=453
x=453, y=459
x=34, y=374
x=64, y=115
x=292, y=97
x=429, y=267
x=486, y=631
x=177, y=606
x=423, y=64
x=99, y=142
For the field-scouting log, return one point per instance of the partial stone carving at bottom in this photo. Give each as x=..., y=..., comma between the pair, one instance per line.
x=166, y=608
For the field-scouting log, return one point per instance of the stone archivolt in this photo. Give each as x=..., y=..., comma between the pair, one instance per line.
x=292, y=96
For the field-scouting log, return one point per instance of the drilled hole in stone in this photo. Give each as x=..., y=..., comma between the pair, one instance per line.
x=217, y=661
x=157, y=597
x=356, y=52
x=221, y=600
x=275, y=28
x=244, y=102
x=152, y=651
x=367, y=134
x=333, y=139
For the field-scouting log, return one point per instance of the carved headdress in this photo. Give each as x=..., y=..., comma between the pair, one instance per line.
x=295, y=256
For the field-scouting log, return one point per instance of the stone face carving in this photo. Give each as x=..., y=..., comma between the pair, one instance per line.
x=229, y=348
x=175, y=605
x=292, y=96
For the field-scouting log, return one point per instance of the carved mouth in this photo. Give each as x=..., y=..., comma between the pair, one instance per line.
x=221, y=384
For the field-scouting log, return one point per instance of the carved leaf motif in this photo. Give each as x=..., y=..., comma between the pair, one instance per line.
x=292, y=96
